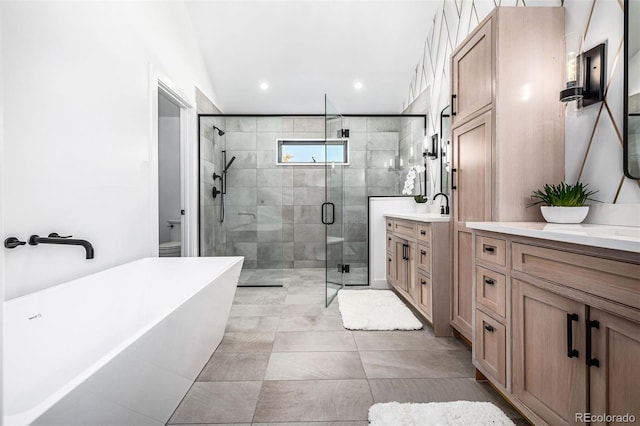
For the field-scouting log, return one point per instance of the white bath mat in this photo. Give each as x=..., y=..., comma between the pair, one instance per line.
x=375, y=310
x=456, y=413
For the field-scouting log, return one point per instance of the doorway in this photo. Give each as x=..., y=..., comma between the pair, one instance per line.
x=169, y=182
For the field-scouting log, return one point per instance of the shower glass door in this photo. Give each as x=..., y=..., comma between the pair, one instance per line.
x=332, y=209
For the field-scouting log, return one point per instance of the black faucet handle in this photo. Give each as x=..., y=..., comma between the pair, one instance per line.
x=13, y=242
x=55, y=235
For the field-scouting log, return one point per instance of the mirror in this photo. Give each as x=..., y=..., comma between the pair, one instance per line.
x=445, y=149
x=632, y=89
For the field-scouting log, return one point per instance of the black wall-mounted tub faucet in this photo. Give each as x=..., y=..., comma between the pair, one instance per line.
x=54, y=238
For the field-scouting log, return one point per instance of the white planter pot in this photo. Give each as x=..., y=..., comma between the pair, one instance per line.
x=564, y=214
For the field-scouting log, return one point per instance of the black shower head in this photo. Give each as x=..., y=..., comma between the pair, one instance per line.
x=220, y=131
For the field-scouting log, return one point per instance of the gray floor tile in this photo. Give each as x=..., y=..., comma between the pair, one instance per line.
x=415, y=364
x=232, y=366
x=395, y=340
x=309, y=310
x=260, y=296
x=313, y=424
x=313, y=400
x=298, y=299
x=249, y=323
x=437, y=390
x=314, y=341
x=255, y=310
x=314, y=365
x=247, y=342
x=311, y=323
x=218, y=402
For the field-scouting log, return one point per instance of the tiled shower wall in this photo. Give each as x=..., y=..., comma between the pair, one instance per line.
x=272, y=213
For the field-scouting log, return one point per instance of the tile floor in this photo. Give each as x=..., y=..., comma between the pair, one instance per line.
x=286, y=359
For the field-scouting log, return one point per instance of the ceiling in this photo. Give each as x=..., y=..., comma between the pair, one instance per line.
x=304, y=49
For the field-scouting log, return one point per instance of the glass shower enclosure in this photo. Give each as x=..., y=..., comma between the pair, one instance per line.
x=333, y=206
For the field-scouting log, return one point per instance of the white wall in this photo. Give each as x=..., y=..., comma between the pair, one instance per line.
x=78, y=128
x=168, y=173
x=2, y=234
x=593, y=148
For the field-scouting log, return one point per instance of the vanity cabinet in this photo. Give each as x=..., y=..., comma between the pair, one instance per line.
x=507, y=129
x=557, y=326
x=418, y=268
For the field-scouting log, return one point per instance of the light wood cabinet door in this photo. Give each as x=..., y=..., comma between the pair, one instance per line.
x=491, y=349
x=615, y=380
x=471, y=202
x=426, y=295
x=400, y=264
x=472, y=75
x=391, y=279
x=548, y=341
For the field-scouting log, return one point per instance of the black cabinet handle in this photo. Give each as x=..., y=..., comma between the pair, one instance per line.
x=13, y=242
x=422, y=252
x=404, y=252
x=489, y=328
x=453, y=109
x=423, y=232
x=591, y=362
x=488, y=249
x=571, y=353
x=423, y=282
x=489, y=281
x=453, y=178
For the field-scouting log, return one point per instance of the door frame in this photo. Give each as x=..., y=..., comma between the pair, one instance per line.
x=188, y=173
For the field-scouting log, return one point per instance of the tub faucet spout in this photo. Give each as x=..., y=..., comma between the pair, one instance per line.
x=444, y=210
x=54, y=238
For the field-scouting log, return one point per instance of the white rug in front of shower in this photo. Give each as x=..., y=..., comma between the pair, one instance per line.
x=456, y=413
x=375, y=310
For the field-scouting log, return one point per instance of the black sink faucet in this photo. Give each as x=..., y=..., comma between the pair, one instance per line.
x=443, y=209
x=54, y=238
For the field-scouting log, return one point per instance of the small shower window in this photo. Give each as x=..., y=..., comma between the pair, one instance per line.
x=312, y=151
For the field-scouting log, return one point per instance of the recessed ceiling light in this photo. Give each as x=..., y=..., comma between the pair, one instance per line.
x=264, y=85
x=357, y=85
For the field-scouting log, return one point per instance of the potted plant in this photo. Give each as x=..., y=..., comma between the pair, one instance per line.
x=563, y=203
x=409, y=184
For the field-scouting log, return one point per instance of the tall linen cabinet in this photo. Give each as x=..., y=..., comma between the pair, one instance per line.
x=507, y=129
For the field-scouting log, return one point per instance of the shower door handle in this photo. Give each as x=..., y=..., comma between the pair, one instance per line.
x=333, y=214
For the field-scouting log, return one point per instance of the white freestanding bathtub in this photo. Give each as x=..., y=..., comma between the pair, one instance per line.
x=120, y=347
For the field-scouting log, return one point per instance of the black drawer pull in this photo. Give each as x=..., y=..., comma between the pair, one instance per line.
x=423, y=232
x=489, y=328
x=488, y=249
x=423, y=282
x=591, y=362
x=489, y=281
x=571, y=353
x=422, y=252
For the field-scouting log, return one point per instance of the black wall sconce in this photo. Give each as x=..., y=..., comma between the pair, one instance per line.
x=589, y=69
x=433, y=151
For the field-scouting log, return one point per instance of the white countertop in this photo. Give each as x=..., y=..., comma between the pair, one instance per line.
x=420, y=217
x=626, y=238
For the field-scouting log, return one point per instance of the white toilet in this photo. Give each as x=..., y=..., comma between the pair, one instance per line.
x=172, y=248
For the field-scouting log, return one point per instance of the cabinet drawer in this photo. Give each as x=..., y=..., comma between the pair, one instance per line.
x=424, y=234
x=490, y=351
x=491, y=250
x=610, y=279
x=389, y=225
x=424, y=283
x=389, y=242
x=491, y=290
x=404, y=227
x=390, y=270
x=424, y=258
